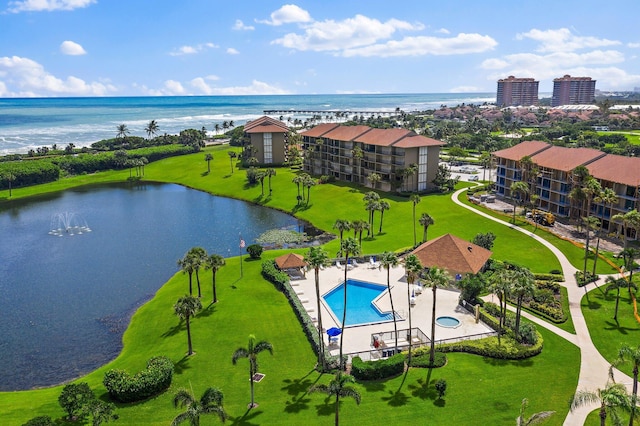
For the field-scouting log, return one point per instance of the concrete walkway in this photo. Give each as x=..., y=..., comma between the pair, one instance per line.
x=594, y=369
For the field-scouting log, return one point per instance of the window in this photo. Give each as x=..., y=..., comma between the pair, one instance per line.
x=422, y=168
x=268, y=149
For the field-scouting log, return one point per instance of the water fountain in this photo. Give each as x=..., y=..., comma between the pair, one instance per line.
x=68, y=224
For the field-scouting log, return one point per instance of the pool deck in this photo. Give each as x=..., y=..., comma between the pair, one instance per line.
x=358, y=339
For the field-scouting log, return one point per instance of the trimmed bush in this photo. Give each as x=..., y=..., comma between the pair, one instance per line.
x=255, y=251
x=375, y=370
x=422, y=360
x=508, y=348
x=271, y=273
x=40, y=421
x=156, y=378
x=553, y=276
x=589, y=278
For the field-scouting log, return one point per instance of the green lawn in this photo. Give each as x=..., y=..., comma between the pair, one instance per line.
x=492, y=388
x=607, y=335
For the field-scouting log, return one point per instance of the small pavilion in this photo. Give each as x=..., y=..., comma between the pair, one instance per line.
x=457, y=256
x=292, y=263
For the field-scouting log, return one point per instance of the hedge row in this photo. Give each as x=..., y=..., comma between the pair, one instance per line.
x=375, y=370
x=281, y=281
x=549, y=277
x=123, y=387
x=508, y=348
x=421, y=359
x=28, y=172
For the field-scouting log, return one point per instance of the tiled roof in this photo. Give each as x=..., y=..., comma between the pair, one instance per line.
x=453, y=254
x=616, y=168
x=382, y=137
x=346, y=133
x=290, y=261
x=417, y=141
x=319, y=130
x=523, y=149
x=565, y=159
x=265, y=124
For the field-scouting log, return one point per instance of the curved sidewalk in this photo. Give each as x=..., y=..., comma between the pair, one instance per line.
x=594, y=369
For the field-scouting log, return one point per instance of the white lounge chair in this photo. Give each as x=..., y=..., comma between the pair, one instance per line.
x=339, y=265
x=373, y=264
x=354, y=263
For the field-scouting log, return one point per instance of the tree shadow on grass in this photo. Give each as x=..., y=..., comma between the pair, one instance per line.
x=594, y=305
x=615, y=326
x=182, y=365
x=423, y=389
x=376, y=386
x=175, y=329
x=328, y=408
x=298, y=389
x=495, y=362
x=208, y=311
x=247, y=417
x=301, y=207
x=204, y=174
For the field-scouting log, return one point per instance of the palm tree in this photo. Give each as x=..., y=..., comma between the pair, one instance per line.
x=518, y=191
x=270, y=173
x=412, y=267
x=348, y=246
x=500, y=285
x=232, y=156
x=591, y=222
x=209, y=403
x=382, y=206
x=387, y=261
x=485, y=160
x=415, y=199
x=214, y=262
x=606, y=197
x=426, y=221
x=151, y=129
x=9, y=177
x=317, y=258
x=251, y=353
x=535, y=418
x=339, y=388
x=373, y=179
x=436, y=277
x=308, y=183
x=217, y=128
x=522, y=285
x=628, y=256
x=299, y=179
x=187, y=266
x=627, y=353
x=358, y=227
x=198, y=257
x=123, y=131
x=260, y=175
x=342, y=225
x=357, y=154
x=613, y=397
x=225, y=125
x=371, y=200
x=630, y=219
x=208, y=157
x=185, y=308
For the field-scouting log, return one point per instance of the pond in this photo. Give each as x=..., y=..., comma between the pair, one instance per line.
x=75, y=265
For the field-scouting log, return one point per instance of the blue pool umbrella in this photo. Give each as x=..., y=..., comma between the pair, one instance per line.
x=334, y=331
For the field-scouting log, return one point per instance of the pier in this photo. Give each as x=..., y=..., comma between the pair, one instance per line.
x=330, y=112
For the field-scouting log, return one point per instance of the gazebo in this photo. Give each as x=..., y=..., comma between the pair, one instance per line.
x=292, y=264
x=457, y=256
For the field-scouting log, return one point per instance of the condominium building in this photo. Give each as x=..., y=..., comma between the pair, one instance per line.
x=554, y=181
x=269, y=142
x=402, y=159
x=514, y=91
x=569, y=90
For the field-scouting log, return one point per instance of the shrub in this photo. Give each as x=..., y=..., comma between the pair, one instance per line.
x=582, y=281
x=422, y=360
x=40, y=421
x=123, y=387
x=375, y=370
x=255, y=251
x=74, y=398
x=271, y=272
x=553, y=276
x=441, y=387
x=508, y=348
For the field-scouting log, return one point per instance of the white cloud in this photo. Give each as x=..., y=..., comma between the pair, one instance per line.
x=191, y=50
x=423, y=45
x=562, y=40
x=47, y=5
x=464, y=89
x=240, y=26
x=443, y=31
x=552, y=65
x=633, y=45
x=26, y=77
x=256, y=88
x=288, y=14
x=354, y=32
x=172, y=87
x=232, y=51
x=72, y=48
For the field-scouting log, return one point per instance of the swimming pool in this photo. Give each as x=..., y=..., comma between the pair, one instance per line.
x=360, y=307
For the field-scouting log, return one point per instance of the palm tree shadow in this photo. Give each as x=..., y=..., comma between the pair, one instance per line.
x=204, y=174
x=326, y=409
x=618, y=328
x=174, y=330
x=246, y=418
x=182, y=365
x=208, y=311
x=423, y=390
x=296, y=387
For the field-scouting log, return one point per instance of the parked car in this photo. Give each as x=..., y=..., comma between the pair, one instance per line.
x=473, y=178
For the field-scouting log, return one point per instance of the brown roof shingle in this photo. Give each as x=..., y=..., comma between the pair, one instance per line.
x=412, y=141
x=453, y=254
x=523, y=149
x=290, y=261
x=616, y=168
x=382, y=137
x=265, y=124
x=319, y=130
x=565, y=159
x=346, y=133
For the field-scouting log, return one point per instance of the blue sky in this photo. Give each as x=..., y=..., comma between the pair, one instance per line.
x=206, y=47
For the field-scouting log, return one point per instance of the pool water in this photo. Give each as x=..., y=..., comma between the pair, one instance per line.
x=448, y=322
x=360, y=309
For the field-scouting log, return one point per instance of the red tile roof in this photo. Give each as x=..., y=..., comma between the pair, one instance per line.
x=346, y=133
x=290, y=261
x=265, y=124
x=453, y=254
x=412, y=141
x=523, y=149
x=565, y=159
x=382, y=137
x=616, y=168
x=319, y=130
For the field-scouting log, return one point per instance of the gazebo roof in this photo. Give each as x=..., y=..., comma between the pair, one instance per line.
x=290, y=261
x=453, y=254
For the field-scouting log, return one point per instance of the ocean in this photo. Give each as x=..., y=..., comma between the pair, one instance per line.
x=29, y=123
